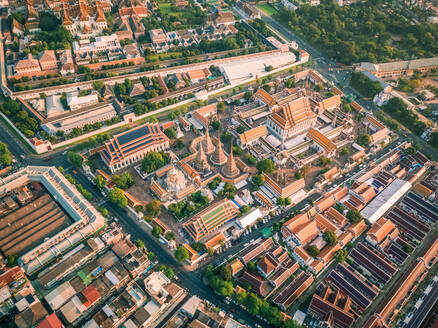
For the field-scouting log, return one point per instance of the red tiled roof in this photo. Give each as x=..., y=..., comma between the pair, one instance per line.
x=51, y=321
x=91, y=294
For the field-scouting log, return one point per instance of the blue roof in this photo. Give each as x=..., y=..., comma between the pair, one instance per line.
x=133, y=135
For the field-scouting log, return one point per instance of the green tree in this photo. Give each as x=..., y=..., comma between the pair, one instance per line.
x=170, y=133
x=12, y=260
x=99, y=181
x=339, y=207
x=5, y=155
x=170, y=236
x=153, y=208
x=345, y=151
x=229, y=190
x=225, y=272
x=216, y=125
x=287, y=201
x=324, y=161
x=312, y=250
x=157, y=231
x=181, y=253
x=98, y=85
x=364, y=140
x=258, y=180
x=168, y=272
x=221, y=107
x=364, y=85
x=354, y=215
x=330, y=237
x=140, y=244
x=280, y=201
x=75, y=159
x=341, y=255
x=123, y=181
x=153, y=161
x=117, y=197
x=266, y=165
x=151, y=256
x=253, y=304
x=103, y=211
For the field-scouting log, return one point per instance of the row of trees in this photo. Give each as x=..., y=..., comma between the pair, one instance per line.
x=21, y=119
x=397, y=109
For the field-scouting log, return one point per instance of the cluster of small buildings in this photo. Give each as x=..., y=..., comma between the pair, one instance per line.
x=220, y=26
x=197, y=313
x=47, y=62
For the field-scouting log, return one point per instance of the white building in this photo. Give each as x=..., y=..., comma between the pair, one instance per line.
x=385, y=200
x=249, y=218
x=74, y=101
x=102, y=43
x=79, y=119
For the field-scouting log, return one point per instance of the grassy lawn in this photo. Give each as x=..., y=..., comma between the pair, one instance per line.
x=268, y=9
x=165, y=56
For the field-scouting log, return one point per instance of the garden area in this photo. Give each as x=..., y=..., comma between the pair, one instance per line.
x=174, y=18
x=267, y=8
x=184, y=209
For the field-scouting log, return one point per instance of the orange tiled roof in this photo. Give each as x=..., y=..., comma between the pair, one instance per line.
x=253, y=134
x=293, y=113
x=236, y=266
x=330, y=173
x=199, y=74
x=215, y=241
x=317, y=266
x=331, y=102
x=215, y=215
x=307, y=233
x=324, y=224
x=325, y=203
x=374, y=122
x=344, y=238
x=265, y=97
x=321, y=140
x=380, y=229
x=357, y=228
x=340, y=193
x=193, y=255
x=336, y=216
x=302, y=253
x=328, y=252
x=156, y=188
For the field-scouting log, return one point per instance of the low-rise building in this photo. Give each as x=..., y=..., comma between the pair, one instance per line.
x=210, y=219
x=129, y=147
x=75, y=102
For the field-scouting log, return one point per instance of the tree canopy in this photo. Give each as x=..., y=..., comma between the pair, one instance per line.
x=75, y=159
x=370, y=31
x=117, y=197
x=153, y=208
x=266, y=165
x=330, y=237
x=354, y=215
x=5, y=154
x=181, y=253
x=153, y=161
